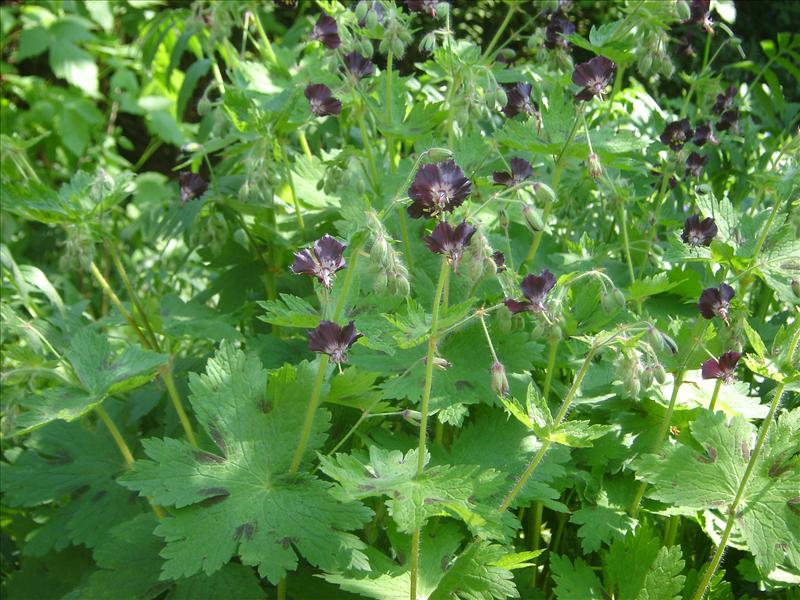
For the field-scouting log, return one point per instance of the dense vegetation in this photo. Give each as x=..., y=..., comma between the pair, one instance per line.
x=399, y=300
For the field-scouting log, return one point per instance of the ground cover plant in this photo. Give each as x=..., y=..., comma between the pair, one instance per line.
x=393, y=300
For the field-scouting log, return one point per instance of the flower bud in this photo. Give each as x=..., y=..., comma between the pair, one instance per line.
x=398, y=47
x=503, y=321
x=655, y=339
x=438, y=154
x=204, y=106
x=412, y=416
x=543, y=192
x=402, y=286
x=660, y=374
x=667, y=68
x=619, y=298
x=365, y=47
x=371, y=19
x=607, y=302
x=646, y=377
x=442, y=9
x=682, y=10
x=796, y=287
x=645, y=64
x=380, y=282
x=554, y=333
x=499, y=379
x=632, y=387
x=380, y=250
x=428, y=43
x=533, y=219
x=500, y=97
x=361, y=10
x=595, y=169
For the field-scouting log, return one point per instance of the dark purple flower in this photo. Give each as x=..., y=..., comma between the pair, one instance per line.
x=695, y=164
x=192, y=186
x=715, y=301
x=701, y=13
x=423, y=6
x=333, y=340
x=728, y=120
x=697, y=232
x=724, y=100
x=438, y=188
x=322, y=261
x=723, y=369
x=672, y=181
x=358, y=66
x=322, y=101
x=703, y=133
x=521, y=170
x=326, y=31
x=557, y=29
x=518, y=98
x=676, y=134
x=535, y=289
x=450, y=241
x=593, y=76
x=499, y=260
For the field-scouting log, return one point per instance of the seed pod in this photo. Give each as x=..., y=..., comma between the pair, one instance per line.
x=499, y=379
x=442, y=9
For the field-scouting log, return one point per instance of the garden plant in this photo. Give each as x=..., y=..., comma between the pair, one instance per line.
x=399, y=300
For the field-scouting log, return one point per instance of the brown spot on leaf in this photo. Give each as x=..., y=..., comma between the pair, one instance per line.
x=207, y=458
x=265, y=406
x=245, y=529
x=444, y=564
x=794, y=505
x=462, y=384
x=213, y=430
x=99, y=496
x=364, y=487
x=778, y=468
x=59, y=459
x=745, y=451
x=216, y=495
x=710, y=456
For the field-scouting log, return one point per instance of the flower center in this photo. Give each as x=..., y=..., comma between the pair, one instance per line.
x=695, y=238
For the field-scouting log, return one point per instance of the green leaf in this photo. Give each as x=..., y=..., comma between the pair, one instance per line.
x=241, y=500
x=578, y=434
x=193, y=74
x=290, y=311
x=575, y=580
x=638, y=568
x=601, y=525
x=651, y=286
x=755, y=340
x=454, y=491
x=69, y=459
x=476, y=573
x=100, y=373
x=707, y=479
x=724, y=216
x=71, y=62
x=32, y=42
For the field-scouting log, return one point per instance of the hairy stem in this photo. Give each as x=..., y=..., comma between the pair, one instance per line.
x=551, y=367
x=546, y=442
x=423, y=424
x=118, y=304
x=512, y=7
x=133, y=296
x=169, y=383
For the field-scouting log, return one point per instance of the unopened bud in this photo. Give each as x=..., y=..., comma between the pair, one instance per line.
x=204, y=106
x=632, y=387
x=682, y=10
x=532, y=218
x=398, y=47
x=380, y=250
x=660, y=374
x=503, y=320
x=544, y=193
x=428, y=43
x=438, y=154
x=646, y=64
x=655, y=339
x=796, y=287
x=191, y=148
x=361, y=10
x=412, y=416
x=442, y=9
x=402, y=286
x=595, y=169
x=499, y=379
x=500, y=97
x=371, y=19
x=365, y=46
x=380, y=282
x=554, y=333
x=646, y=377
x=667, y=68
x=619, y=297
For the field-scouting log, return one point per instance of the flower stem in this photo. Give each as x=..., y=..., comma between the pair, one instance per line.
x=134, y=296
x=559, y=168
x=268, y=52
x=512, y=7
x=123, y=449
x=762, y=435
x=304, y=145
x=295, y=200
x=313, y=403
x=653, y=229
x=697, y=336
x=488, y=337
x=714, y=396
x=551, y=367
x=423, y=424
x=373, y=171
x=546, y=442
x=341, y=299
x=623, y=221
